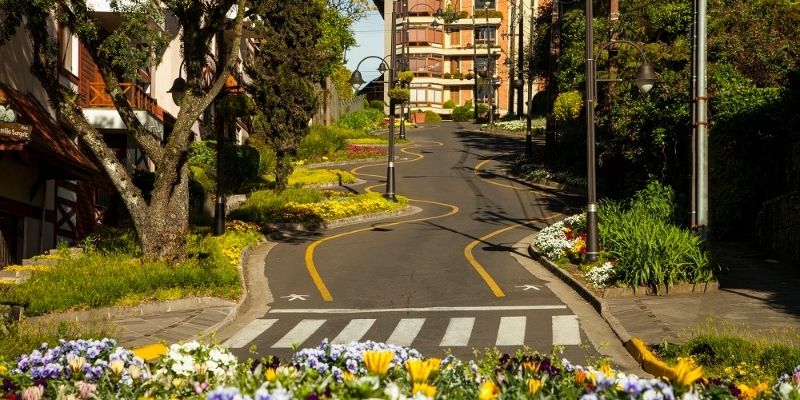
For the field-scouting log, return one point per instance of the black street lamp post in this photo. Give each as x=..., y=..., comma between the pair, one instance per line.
x=489, y=72
x=357, y=80
x=645, y=79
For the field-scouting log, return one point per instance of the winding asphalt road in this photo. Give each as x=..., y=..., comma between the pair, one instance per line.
x=442, y=279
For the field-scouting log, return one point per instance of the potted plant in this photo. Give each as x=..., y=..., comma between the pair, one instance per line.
x=418, y=116
x=469, y=75
x=447, y=75
x=399, y=95
x=405, y=77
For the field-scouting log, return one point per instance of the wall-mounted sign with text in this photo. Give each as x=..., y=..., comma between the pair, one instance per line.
x=15, y=132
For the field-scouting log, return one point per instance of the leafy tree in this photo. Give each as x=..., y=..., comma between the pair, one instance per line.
x=161, y=221
x=287, y=65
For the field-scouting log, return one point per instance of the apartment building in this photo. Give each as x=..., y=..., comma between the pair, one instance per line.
x=449, y=56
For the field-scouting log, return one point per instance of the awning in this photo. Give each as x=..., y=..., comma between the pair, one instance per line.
x=46, y=139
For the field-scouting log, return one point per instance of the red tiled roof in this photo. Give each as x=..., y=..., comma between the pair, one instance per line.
x=48, y=140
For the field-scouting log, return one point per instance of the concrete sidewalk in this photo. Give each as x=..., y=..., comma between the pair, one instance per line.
x=755, y=294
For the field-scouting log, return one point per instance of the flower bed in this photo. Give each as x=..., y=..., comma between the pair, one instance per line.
x=101, y=370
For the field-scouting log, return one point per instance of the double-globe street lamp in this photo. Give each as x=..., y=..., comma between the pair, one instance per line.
x=645, y=79
x=386, y=69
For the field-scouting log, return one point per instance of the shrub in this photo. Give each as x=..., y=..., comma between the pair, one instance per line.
x=314, y=176
x=567, y=106
x=377, y=105
x=321, y=141
x=449, y=104
x=399, y=95
x=462, y=113
x=367, y=119
x=242, y=165
x=431, y=116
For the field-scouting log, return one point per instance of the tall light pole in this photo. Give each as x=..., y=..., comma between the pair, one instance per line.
x=489, y=72
x=645, y=78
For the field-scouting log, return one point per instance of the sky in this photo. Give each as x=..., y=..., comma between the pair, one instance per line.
x=369, y=35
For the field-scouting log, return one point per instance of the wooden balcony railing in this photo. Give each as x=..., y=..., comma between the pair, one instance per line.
x=137, y=98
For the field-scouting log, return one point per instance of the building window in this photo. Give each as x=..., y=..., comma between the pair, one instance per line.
x=480, y=64
x=69, y=50
x=481, y=4
x=426, y=95
x=485, y=35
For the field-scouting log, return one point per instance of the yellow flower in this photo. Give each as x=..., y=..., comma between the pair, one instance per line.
x=116, y=367
x=270, y=374
x=534, y=385
x=3, y=369
x=605, y=368
x=434, y=363
x=488, y=391
x=377, y=362
x=419, y=370
x=348, y=376
x=424, y=388
x=135, y=372
x=686, y=373
x=76, y=363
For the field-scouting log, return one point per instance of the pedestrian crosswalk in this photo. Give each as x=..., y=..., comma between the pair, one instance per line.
x=510, y=331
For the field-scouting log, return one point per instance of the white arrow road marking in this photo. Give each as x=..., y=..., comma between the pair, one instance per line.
x=293, y=297
x=526, y=287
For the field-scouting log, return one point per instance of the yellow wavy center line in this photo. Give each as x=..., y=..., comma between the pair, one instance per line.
x=309, y=256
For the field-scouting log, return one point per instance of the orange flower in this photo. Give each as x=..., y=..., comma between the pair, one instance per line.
x=531, y=366
x=580, y=376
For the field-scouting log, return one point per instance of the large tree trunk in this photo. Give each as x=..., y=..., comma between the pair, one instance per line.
x=165, y=225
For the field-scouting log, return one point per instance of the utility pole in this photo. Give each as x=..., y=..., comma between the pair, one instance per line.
x=552, y=93
x=521, y=55
x=693, y=97
x=512, y=22
x=702, y=124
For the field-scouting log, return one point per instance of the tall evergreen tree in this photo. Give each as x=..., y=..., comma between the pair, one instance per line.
x=283, y=74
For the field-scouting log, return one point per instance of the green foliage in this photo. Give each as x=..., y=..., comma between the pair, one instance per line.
x=377, y=104
x=462, y=113
x=315, y=176
x=25, y=336
x=668, y=21
x=567, y=106
x=242, y=165
x=300, y=205
x=106, y=278
x=432, y=117
x=283, y=75
x=747, y=356
x=368, y=119
x=656, y=200
x=237, y=106
x=649, y=251
x=321, y=141
x=405, y=77
x=335, y=37
x=481, y=13
x=399, y=95
x=340, y=76
x=449, y=104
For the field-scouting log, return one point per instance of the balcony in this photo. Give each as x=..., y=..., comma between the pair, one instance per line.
x=101, y=113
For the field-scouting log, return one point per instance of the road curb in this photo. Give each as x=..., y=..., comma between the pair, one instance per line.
x=337, y=223
x=110, y=313
x=635, y=346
